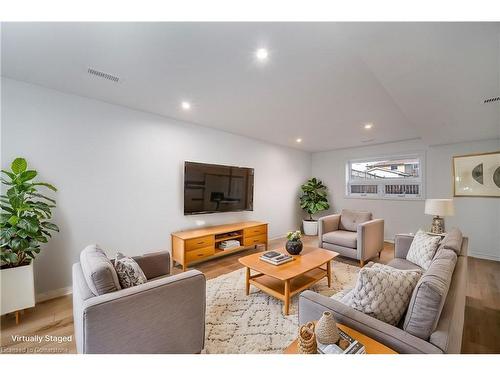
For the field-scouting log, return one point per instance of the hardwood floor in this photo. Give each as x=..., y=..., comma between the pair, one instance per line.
x=481, y=328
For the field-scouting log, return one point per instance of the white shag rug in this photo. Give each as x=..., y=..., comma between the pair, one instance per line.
x=241, y=324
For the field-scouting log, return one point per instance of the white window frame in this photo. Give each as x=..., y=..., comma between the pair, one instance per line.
x=381, y=183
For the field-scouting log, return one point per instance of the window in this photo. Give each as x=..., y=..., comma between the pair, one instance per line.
x=393, y=177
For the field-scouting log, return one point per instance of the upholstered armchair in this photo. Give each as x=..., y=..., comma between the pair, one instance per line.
x=352, y=234
x=164, y=315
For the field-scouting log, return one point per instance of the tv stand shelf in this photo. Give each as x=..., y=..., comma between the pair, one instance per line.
x=198, y=245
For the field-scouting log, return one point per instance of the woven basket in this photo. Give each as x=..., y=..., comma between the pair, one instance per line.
x=307, y=339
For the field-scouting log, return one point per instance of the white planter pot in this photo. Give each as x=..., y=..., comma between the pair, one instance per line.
x=310, y=227
x=18, y=288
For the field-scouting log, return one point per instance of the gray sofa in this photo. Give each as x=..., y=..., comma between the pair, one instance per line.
x=164, y=315
x=445, y=335
x=353, y=234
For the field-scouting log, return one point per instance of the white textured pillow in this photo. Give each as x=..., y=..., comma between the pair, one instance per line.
x=129, y=272
x=422, y=249
x=384, y=292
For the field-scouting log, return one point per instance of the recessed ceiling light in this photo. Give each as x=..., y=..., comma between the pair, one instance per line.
x=368, y=126
x=298, y=140
x=186, y=106
x=262, y=54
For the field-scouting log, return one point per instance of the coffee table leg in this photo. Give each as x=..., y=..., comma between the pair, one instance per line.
x=286, y=306
x=247, y=283
x=329, y=273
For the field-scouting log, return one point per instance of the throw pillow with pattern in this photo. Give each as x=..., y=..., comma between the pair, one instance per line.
x=384, y=292
x=129, y=272
x=422, y=249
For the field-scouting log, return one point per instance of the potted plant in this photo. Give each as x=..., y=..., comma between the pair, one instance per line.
x=294, y=244
x=24, y=226
x=313, y=200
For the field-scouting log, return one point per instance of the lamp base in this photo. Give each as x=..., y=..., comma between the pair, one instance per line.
x=437, y=225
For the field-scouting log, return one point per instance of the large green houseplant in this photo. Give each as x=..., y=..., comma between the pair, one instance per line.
x=24, y=226
x=313, y=199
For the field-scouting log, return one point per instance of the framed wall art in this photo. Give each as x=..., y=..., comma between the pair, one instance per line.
x=477, y=175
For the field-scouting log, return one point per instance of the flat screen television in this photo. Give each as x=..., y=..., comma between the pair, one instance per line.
x=210, y=188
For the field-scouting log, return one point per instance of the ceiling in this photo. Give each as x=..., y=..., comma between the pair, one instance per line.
x=322, y=81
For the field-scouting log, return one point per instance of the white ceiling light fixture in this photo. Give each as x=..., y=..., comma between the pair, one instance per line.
x=368, y=126
x=298, y=140
x=186, y=106
x=262, y=54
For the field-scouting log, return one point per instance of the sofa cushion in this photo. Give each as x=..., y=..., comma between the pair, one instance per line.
x=383, y=292
x=350, y=219
x=452, y=240
x=429, y=295
x=422, y=249
x=403, y=264
x=98, y=271
x=129, y=272
x=342, y=238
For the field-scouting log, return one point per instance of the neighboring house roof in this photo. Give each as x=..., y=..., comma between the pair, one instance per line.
x=394, y=172
x=395, y=162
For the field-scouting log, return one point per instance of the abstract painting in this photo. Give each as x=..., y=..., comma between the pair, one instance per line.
x=477, y=175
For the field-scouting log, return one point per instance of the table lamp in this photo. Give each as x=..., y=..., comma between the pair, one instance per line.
x=439, y=208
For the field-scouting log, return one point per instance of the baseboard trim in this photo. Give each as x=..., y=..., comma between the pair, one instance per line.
x=51, y=294
x=474, y=254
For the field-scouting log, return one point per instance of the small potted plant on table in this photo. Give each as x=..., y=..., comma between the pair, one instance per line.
x=294, y=244
x=313, y=200
x=24, y=225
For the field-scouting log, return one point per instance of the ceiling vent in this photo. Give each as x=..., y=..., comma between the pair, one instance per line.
x=100, y=74
x=492, y=100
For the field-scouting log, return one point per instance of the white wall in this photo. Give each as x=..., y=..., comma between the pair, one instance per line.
x=119, y=174
x=478, y=218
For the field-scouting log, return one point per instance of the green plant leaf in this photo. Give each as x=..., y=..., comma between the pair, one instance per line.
x=27, y=175
x=19, y=165
x=30, y=225
x=7, y=208
x=10, y=174
x=38, y=195
x=13, y=220
x=51, y=187
x=50, y=226
x=19, y=244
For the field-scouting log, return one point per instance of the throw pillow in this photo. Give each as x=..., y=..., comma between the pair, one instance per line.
x=429, y=295
x=384, y=292
x=98, y=271
x=129, y=272
x=452, y=240
x=422, y=249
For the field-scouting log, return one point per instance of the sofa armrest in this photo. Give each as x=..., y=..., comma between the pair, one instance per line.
x=161, y=316
x=154, y=264
x=402, y=243
x=312, y=305
x=327, y=224
x=370, y=239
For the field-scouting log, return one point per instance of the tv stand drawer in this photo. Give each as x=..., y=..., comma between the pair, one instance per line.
x=255, y=231
x=199, y=242
x=198, y=254
x=255, y=240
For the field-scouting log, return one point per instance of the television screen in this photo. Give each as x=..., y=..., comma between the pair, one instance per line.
x=212, y=188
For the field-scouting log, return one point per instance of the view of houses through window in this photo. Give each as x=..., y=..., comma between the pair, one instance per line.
x=392, y=177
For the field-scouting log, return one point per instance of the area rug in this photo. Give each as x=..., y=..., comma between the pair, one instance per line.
x=241, y=324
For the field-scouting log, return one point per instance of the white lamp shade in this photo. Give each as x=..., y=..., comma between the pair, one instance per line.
x=439, y=207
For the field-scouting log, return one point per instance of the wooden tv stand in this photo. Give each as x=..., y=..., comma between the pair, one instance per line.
x=197, y=245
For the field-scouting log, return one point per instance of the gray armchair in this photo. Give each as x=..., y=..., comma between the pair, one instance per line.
x=352, y=234
x=164, y=315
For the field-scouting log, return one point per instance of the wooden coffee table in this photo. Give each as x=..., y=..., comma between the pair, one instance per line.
x=286, y=280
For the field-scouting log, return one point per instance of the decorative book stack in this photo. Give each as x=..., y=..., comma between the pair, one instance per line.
x=229, y=244
x=273, y=257
x=354, y=346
